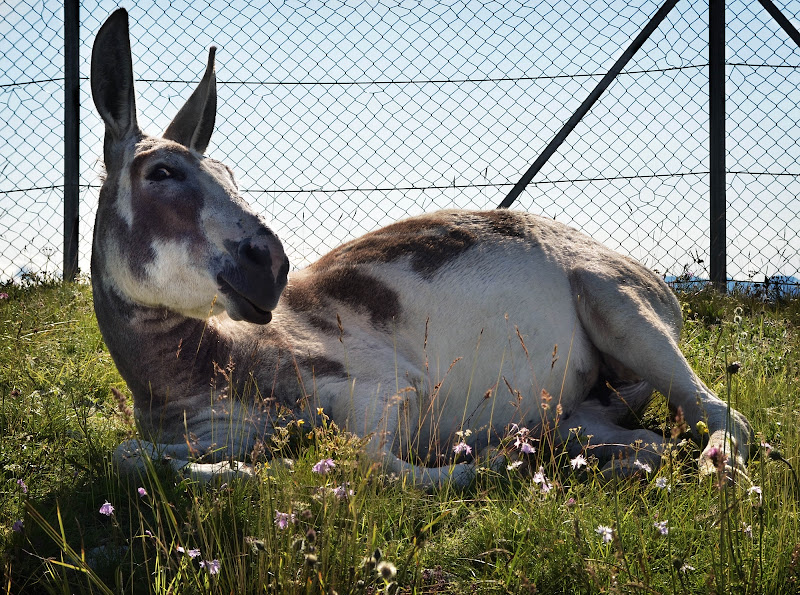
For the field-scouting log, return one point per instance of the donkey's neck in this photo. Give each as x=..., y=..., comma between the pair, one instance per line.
x=164, y=357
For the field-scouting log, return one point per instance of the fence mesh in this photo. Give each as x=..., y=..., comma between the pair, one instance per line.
x=342, y=116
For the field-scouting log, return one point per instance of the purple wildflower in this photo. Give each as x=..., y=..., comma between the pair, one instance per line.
x=190, y=552
x=142, y=492
x=18, y=526
x=212, y=566
x=323, y=466
x=22, y=486
x=282, y=519
x=107, y=509
x=342, y=491
x=661, y=527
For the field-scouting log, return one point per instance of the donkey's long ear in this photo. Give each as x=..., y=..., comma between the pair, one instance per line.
x=112, y=79
x=193, y=125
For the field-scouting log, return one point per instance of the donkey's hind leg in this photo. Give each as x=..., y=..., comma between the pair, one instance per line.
x=592, y=429
x=634, y=317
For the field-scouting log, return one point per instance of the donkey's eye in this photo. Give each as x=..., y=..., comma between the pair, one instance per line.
x=162, y=172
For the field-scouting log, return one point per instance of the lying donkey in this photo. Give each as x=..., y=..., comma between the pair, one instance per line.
x=431, y=326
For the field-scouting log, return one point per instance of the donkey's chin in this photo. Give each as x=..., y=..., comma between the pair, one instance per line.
x=241, y=307
x=247, y=311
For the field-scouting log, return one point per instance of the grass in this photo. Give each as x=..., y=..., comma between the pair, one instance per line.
x=355, y=530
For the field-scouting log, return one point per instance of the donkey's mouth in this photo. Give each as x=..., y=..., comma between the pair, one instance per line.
x=241, y=307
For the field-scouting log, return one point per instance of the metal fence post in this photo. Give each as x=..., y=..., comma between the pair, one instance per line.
x=716, y=127
x=71, y=132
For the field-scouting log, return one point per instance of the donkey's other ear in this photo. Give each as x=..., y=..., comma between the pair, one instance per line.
x=193, y=125
x=112, y=79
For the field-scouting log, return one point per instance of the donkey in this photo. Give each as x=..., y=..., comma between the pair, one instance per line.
x=408, y=336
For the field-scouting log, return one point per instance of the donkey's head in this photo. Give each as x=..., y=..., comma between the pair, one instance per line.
x=172, y=230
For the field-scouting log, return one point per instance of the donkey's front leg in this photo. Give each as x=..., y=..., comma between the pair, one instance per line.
x=132, y=456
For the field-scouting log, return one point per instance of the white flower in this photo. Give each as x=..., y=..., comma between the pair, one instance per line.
x=540, y=478
x=755, y=490
x=661, y=527
x=605, y=533
x=578, y=462
x=643, y=466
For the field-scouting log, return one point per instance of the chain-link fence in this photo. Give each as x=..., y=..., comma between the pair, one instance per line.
x=342, y=116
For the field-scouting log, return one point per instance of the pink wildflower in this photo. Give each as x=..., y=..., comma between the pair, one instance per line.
x=142, y=492
x=462, y=447
x=718, y=457
x=107, y=509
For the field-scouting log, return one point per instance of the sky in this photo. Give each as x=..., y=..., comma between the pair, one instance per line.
x=339, y=117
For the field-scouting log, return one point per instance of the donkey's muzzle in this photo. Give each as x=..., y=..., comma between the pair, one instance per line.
x=254, y=281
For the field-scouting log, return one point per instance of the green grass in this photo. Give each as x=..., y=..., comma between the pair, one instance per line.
x=60, y=421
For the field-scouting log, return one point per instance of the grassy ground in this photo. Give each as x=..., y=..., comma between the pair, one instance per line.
x=354, y=530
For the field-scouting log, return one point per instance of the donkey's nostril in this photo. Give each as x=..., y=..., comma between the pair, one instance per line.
x=283, y=274
x=254, y=255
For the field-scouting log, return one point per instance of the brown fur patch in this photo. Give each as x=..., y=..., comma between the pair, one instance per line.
x=346, y=284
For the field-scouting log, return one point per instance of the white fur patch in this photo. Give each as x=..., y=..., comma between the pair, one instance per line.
x=174, y=279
